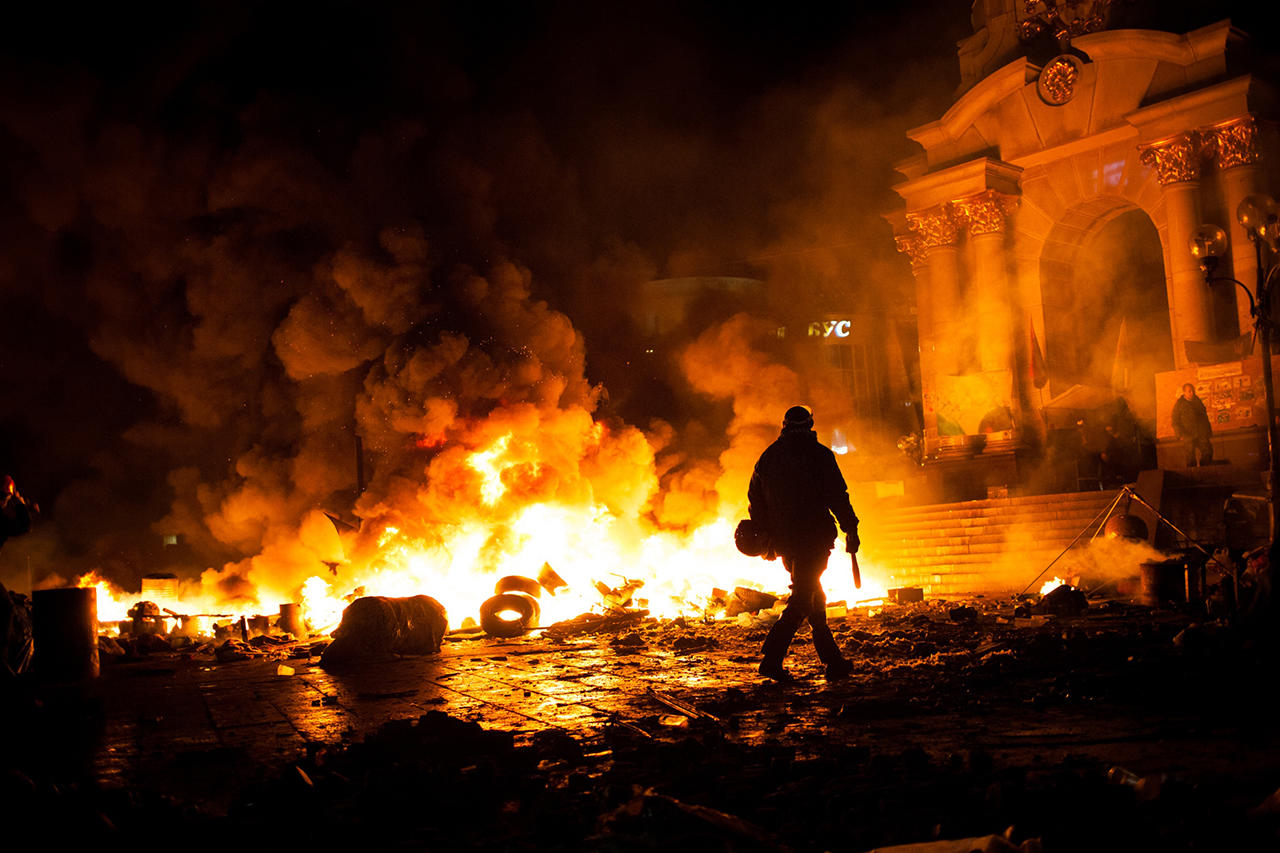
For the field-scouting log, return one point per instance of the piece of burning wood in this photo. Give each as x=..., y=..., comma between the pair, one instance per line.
x=749, y=601
x=592, y=623
x=681, y=706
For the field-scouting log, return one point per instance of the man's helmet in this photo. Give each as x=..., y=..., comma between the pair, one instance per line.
x=751, y=538
x=798, y=416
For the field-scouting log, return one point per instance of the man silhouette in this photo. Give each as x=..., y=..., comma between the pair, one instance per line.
x=795, y=489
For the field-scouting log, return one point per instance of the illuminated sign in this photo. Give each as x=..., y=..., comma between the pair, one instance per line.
x=830, y=329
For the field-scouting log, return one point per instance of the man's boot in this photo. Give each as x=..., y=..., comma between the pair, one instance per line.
x=775, y=670
x=839, y=668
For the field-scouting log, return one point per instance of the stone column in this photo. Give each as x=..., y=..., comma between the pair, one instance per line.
x=936, y=231
x=926, y=336
x=985, y=214
x=1235, y=148
x=936, y=264
x=1177, y=165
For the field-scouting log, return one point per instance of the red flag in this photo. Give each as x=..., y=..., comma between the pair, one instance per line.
x=1039, y=374
x=1120, y=365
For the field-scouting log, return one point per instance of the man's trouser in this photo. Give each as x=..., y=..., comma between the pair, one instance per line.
x=807, y=601
x=1204, y=445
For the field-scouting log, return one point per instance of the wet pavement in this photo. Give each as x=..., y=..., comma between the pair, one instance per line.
x=956, y=697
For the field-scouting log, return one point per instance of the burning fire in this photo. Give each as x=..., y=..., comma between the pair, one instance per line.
x=113, y=602
x=1050, y=585
x=592, y=547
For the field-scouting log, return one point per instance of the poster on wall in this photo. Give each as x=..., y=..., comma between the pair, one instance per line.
x=974, y=404
x=1231, y=392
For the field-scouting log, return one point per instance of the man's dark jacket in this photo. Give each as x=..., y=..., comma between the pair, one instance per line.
x=795, y=489
x=1190, y=420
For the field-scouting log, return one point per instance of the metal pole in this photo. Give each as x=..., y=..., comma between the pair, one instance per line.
x=1273, y=443
x=1079, y=536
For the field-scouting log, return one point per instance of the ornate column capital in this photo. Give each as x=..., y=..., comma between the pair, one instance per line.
x=913, y=247
x=1232, y=143
x=985, y=212
x=1176, y=159
x=934, y=227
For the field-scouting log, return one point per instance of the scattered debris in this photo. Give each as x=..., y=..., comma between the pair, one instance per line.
x=906, y=594
x=616, y=598
x=1063, y=600
x=746, y=600
x=594, y=623
x=683, y=707
x=549, y=580
x=147, y=618
x=629, y=643
x=233, y=650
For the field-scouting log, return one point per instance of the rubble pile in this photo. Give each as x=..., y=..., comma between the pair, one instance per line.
x=1117, y=728
x=442, y=783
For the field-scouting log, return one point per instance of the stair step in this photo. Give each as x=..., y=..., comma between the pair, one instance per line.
x=1005, y=518
x=972, y=546
x=1100, y=499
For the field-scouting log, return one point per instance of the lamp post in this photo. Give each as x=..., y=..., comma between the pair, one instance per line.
x=1260, y=218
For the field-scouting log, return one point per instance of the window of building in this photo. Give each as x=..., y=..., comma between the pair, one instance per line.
x=858, y=367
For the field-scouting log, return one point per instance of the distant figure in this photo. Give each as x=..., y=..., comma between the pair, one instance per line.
x=1191, y=424
x=1121, y=458
x=15, y=515
x=795, y=489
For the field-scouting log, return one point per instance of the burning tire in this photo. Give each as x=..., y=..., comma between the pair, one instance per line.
x=518, y=583
x=509, y=614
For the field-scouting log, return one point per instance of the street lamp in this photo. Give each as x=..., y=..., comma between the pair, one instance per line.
x=1260, y=218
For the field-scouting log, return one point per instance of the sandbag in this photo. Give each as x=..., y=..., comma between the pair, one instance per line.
x=377, y=626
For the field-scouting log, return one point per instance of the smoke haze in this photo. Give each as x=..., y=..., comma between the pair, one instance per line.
x=236, y=238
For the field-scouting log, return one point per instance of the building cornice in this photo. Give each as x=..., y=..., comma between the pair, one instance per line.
x=1210, y=105
x=1116, y=135
x=963, y=179
x=1196, y=46
x=994, y=88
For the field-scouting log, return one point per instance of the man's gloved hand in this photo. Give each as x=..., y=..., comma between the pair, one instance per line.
x=852, y=542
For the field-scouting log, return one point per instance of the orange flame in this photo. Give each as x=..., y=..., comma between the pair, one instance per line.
x=513, y=525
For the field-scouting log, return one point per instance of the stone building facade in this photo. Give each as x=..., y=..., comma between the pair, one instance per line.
x=1047, y=221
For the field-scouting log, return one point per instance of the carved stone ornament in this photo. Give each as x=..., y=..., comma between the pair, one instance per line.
x=986, y=212
x=1057, y=82
x=1175, y=160
x=934, y=227
x=911, y=246
x=1235, y=143
x=1064, y=19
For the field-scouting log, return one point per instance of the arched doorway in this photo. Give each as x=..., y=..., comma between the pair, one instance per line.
x=1106, y=305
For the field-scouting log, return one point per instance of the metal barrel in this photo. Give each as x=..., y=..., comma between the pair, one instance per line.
x=65, y=633
x=1163, y=582
x=291, y=620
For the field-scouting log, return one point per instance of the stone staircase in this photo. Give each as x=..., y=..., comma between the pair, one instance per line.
x=991, y=546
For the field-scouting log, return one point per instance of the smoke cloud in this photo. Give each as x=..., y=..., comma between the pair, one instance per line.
x=225, y=260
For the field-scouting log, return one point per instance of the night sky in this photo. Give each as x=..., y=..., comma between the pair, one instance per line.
x=229, y=229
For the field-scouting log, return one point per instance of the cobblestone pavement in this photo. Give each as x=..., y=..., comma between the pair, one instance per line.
x=200, y=729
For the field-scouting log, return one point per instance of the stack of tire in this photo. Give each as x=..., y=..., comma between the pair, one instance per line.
x=513, y=610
